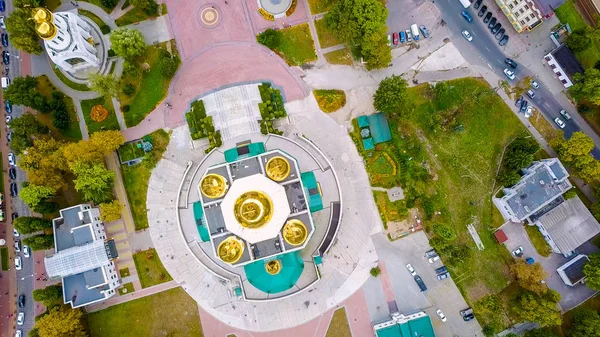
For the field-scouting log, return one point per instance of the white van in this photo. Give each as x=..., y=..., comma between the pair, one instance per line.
x=5, y=82
x=415, y=32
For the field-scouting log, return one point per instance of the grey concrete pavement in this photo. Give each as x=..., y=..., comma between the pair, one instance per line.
x=154, y=31
x=84, y=131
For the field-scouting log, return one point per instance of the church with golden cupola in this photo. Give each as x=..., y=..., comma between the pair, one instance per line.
x=68, y=39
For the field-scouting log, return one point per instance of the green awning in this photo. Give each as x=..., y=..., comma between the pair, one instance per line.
x=363, y=121
x=244, y=151
x=199, y=217
x=291, y=269
x=312, y=190
x=368, y=144
x=380, y=128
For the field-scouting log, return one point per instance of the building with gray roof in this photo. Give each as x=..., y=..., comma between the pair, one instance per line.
x=572, y=272
x=83, y=256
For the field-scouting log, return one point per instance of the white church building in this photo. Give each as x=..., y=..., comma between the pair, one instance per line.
x=68, y=40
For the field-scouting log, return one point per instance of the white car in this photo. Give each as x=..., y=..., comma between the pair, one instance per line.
x=411, y=270
x=18, y=246
x=19, y=333
x=565, y=114
x=11, y=159
x=535, y=85
x=509, y=73
x=440, y=313
x=389, y=40
x=528, y=111
x=21, y=318
x=8, y=119
x=2, y=24
x=467, y=35
x=26, y=251
x=16, y=233
x=18, y=263
x=559, y=122
x=433, y=259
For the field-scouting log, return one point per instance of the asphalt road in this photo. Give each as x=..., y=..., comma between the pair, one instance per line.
x=493, y=56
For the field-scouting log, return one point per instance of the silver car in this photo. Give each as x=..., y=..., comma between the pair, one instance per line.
x=559, y=122
x=565, y=114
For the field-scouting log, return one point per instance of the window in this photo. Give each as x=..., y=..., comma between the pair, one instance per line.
x=521, y=11
x=522, y=23
x=517, y=14
x=516, y=3
x=564, y=81
x=532, y=16
x=548, y=58
x=60, y=38
x=527, y=19
x=558, y=73
x=510, y=6
x=552, y=66
x=526, y=7
x=75, y=60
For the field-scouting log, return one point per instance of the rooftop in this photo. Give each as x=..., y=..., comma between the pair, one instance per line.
x=68, y=231
x=548, y=6
x=572, y=272
x=567, y=60
x=418, y=324
x=77, y=259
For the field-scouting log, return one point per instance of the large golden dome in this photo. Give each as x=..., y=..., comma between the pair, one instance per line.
x=277, y=168
x=295, y=232
x=230, y=250
x=44, y=23
x=213, y=186
x=253, y=209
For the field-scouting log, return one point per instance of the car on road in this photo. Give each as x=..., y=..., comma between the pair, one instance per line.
x=519, y=101
x=26, y=251
x=440, y=313
x=443, y=276
x=433, y=259
x=420, y=283
x=11, y=159
x=21, y=318
x=14, y=190
x=5, y=57
x=18, y=246
x=395, y=39
x=500, y=34
x=535, y=85
x=424, y=31
x=492, y=23
x=4, y=40
x=467, y=35
x=487, y=18
x=431, y=253
x=8, y=119
x=510, y=74
x=408, y=35
x=402, y=37
x=467, y=314
x=8, y=106
x=477, y=4
x=2, y=23
x=467, y=16
x=511, y=63
x=2, y=6
x=496, y=28
x=482, y=11
x=16, y=233
x=565, y=114
x=13, y=217
x=441, y=270
x=22, y=301
x=503, y=41
x=411, y=270
x=18, y=263
x=523, y=107
x=12, y=173
x=19, y=333
x=528, y=112
x=9, y=136
x=559, y=122
x=530, y=93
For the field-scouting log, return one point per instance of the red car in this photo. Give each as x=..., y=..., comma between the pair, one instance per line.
x=395, y=38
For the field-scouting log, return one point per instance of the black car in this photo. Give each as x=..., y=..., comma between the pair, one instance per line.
x=13, y=190
x=441, y=270
x=487, y=18
x=12, y=173
x=477, y=4
x=22, y=301
x=511, y=63
x=2, y=5
x=496, y=28
x=4, y=40
x=9, y=136
x=8, y=106
x=14, y=216
x=523, y=107
x=420, y=283
x=482, y=11
x=467, y=314
x=519, y=102
x=492, y=23
x=5, y=57
x=504, y=41
x=500, y=34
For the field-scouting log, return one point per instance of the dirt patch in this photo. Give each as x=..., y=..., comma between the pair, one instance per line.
x=398, y=229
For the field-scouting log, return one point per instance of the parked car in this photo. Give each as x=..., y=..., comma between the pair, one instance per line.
x=18, y=246
x=19, y=333
x=16, y=233
x=528, y=112
x=411, y=270
x=408, y=35
x=511, y=63
x=420, y=283
x=530, y=93
x=5, y=57
x=2, y=23
x=18, y=263
x=443, y=276
x=467, y=16
x=21, y=318
x=395, y=39
x=9, y=136
x=12, y=173
x=389, y=40
x=510, y=74
x=518, y=252
x=11, y=159
x=523, y=107
x=8, y=119
x=519, y=101
x=14, y=216
x=467, y=35
x=535, y=85
x=13, y=190
x=467, y=314
x=503, y=41
x=2, y=6
x=26, y=251
x=8, y=106
x=431, y=253
x=433, y=259
x=441, y=270
x=402, y=37
x=477, y=4
x=440, y=313
x=22, y=301
x=565, y=114
x=496, y=28
x=487, y=18
x=424, y=31
x=500, y=34
x=559, y=122
x=492, y=23
x=482, y=11
x=4, y=40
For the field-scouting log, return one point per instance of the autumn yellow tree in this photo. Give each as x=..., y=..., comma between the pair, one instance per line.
x=44, y=163
x=92, y=151
x=107, y=141
x=61, y=321
x=530, y=276
x=111, y=211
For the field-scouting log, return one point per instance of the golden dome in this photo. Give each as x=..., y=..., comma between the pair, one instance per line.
x=230, y=250
x=278, y=168
x=213, y=186
x=253, y=209
x=295, y=232
x=273, y=267
x=44, y=23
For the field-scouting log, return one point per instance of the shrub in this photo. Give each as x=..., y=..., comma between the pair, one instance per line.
x=109, y=3
x=570, y=194
x=129, y=89
x=444, y=232
x=111, y=53
x=375, y=271
x=168, y=63
x=98, y=113
x=269, y=38
x=125, y=108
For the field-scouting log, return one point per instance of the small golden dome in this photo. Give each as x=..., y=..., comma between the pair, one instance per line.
x=295, y=232
x=230, y=250
x=44, y=23
x=213, y=186
x=253, y=209
x=273, y=267
x=278, y=168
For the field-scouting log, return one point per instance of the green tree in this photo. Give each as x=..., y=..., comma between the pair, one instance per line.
x=21, y=31
x=530, y=276
x=94, y=181
x=587, y=85
x=33, y=195
x=111, y=211
x=23, y=91
x=62, y=321
x=49, y=296
x=60, y=116
x=391, y=96
x=578, y=145
x=587, y=168
x=487, y=306
x=591, y=270
x=579, y=40
x=27, y=3
x=127, y=42
x=508, y=179
x=31, y=224
x=586, y=323
x=109, y=3
x=541, y=332
x=168, y=63
x=375, y=271
x=570, y=194
x=150, y=7
x=538, y=308
x=23, y=129
x=269, y=38
x=105, y=85
x=40, y=242
x=444, y=231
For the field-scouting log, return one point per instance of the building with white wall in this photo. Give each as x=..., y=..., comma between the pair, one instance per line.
x=564, y=64
x=523, y=15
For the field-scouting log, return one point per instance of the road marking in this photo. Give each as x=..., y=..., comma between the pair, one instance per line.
x=487, y=49
x=546, y=104
x=489, y=65
x=499, y=61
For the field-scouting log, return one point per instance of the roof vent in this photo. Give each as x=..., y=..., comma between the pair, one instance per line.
x=542, y=182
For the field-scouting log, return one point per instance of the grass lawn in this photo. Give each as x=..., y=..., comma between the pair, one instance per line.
x=543, y=126
x=104, y=28
x=150, y=270
x=99, y=4
x=151, y=86
x=124, y=272
x=51, y=4
x=340, y=56
x=296, y=46
x=110, y=123
x=135, y=179
x=170, y=313
x=330, y=100
x=320, y=6
x=73, y=132
x=68, y=82
x=127, y=288
x=339, y=327
x=4, y=257
x=136, y=15
x=130, y=151
x=537, y=239
x=567, y=13
x=326, y=36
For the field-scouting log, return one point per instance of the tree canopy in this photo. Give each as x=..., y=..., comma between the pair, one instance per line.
x=111, y=211
x=127, y=42
x=21, y=31
x=149, y=7
x=23, y=129
x=33, y=195
x=49, y=296
x=105, y=85
x=579, y=144
x=587, y=85
x=530, y=276
x=591, y=270
x=40, y=242
x=44, y=163
x=538, y=308
x=24, y=91
x=586, y=323
x=579, y=40
x=576, y=152
x=93, y=181
x=31, y=224
x=62, y=321
x=391, y=96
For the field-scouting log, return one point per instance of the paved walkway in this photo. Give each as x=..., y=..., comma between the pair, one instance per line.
x=118, y=12
x=133, y=296
x=155, y=30
x=313, y=32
